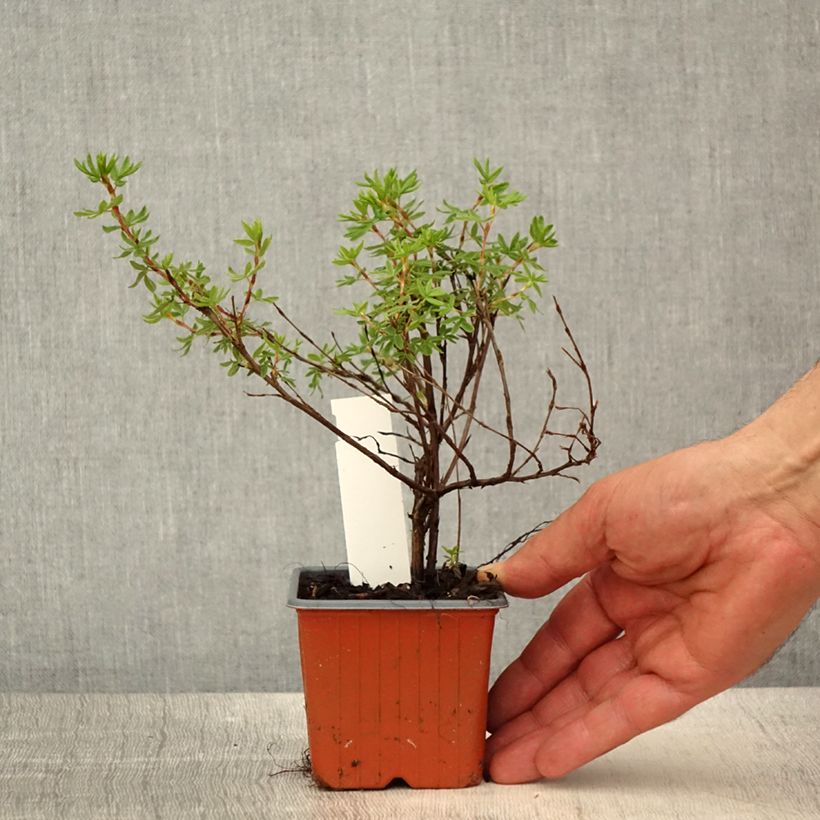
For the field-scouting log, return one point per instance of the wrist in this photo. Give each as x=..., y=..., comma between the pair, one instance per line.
x=781, y=450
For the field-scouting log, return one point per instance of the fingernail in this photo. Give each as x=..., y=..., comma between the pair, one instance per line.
x=488, y=572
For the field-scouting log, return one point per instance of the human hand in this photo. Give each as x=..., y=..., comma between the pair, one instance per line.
x=696, y=567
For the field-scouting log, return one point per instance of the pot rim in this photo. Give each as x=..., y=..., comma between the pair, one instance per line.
x=295, y=602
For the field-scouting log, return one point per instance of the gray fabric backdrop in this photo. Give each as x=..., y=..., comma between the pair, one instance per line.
x=150, y=511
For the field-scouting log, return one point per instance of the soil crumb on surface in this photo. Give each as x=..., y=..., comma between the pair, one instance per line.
x=444, y=583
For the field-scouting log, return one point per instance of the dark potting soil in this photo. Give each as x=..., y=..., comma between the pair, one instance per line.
x=454, y=583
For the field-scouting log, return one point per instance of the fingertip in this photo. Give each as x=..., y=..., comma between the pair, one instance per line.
x=489, y=572
x=498, y=772
x=513, y=576
x=515, y=763
x=551, y=762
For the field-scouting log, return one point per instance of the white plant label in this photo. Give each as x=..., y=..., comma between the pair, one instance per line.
x=372, y=507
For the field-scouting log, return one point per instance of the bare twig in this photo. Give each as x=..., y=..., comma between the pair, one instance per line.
x=517, y=541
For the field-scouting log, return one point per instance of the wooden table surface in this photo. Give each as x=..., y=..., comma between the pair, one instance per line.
x=747, y=753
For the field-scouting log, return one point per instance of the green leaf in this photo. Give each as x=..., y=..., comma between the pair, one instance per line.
x=254, y=231
x=87, y=169
x=139, y=279
x=185, y=343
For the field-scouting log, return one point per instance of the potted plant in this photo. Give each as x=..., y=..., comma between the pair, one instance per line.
x=395, y=674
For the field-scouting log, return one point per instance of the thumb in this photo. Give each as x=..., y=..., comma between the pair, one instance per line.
x=570, y=546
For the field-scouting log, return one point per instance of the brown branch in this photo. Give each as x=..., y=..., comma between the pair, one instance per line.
x=294, y=399
x=358, y=380
x=486, y=227
x=545, y=426
x=464, y=225
x=516, y=541
x=248, y=292
x=584, y=434
x=382, y=452
x=593, y=405
x=508, y=414
x=458, y=410
x=504, y=478
x=180, y=323
x=475, y=378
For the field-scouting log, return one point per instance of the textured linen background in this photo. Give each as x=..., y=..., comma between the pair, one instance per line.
x=151, y=512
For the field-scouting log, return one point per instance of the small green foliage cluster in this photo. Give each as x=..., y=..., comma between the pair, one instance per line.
x=108, y=168
x=428, y=285
x=452, y=554
x=177, y=289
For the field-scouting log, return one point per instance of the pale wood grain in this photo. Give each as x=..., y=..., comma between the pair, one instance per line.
x=749, y=753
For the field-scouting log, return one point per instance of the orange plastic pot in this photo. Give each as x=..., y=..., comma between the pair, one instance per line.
x=395, y=689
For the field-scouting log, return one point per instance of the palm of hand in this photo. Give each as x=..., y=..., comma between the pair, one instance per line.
x=690, y=586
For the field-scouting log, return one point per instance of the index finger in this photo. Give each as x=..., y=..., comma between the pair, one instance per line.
x=570, y=546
